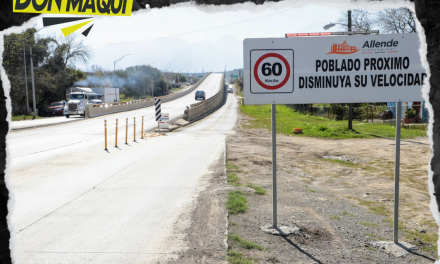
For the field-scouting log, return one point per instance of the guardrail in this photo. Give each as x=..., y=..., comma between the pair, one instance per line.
x=93, y=110
x=206, y=107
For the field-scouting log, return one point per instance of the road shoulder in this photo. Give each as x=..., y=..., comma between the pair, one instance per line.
x=205, y=238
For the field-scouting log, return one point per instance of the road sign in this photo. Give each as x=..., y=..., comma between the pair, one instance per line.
x=164, y=121
x=347, y=69
x=157, y=105
x=271, y=71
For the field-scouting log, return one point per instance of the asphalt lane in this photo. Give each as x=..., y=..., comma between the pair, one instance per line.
x=76, y=203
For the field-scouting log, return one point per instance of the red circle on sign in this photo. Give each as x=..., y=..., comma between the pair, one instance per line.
x=257, y=64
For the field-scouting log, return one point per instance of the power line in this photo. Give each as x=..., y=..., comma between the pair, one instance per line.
x=320, y=16
x=197, y=31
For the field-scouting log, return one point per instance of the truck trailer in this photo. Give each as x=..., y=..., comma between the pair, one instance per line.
x=107, y=95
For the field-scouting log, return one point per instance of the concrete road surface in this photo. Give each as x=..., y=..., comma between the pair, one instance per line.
x=26, y=142
x=73, y=202
x=175, y=107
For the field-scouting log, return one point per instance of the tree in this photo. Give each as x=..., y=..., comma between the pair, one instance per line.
x=53, y=61
x=360, y=19
x=396, y=20
x=390, y=20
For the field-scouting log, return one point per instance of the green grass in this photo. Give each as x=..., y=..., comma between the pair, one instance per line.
x=233, y=179
x=347, y=213
x=237, y=240
x=335, y=217
x=320, y=127
x=273, y=260
x=23, y=117
x=342, y=162
x=375, y=207
x=236, y=202
x=429, y=239
x=258, y=190
x=232, y=168
x=238, y=258
x=231, y=171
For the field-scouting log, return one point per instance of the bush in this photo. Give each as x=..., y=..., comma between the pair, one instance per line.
x=411, y=113
x=322, y=127
x=338, y=110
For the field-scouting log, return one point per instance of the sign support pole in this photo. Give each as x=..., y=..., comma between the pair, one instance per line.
x=396, y=175
x=274, y=163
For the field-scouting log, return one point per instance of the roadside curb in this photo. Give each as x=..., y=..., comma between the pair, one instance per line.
x=47, y=125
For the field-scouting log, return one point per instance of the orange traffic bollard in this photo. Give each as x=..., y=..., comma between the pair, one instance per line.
x=116, y=137
x=105, y=129
x=126, y=132
x=142, y=132
x=134, y=129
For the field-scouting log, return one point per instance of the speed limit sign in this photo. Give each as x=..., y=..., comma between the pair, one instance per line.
x=271, y=71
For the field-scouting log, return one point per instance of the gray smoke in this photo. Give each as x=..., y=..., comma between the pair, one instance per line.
x=105, y=81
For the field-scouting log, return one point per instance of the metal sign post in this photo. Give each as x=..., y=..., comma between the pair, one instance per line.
x=274, y=163
x=396, y=175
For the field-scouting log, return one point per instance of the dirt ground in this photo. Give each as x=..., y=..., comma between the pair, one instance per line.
x=339, y=193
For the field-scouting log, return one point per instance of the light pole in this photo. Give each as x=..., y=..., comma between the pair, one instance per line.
x=33, y=85
x=114, y=70
x=25, y=73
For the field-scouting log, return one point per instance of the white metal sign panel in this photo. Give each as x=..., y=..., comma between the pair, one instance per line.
x=349, y=69
x=164, y=121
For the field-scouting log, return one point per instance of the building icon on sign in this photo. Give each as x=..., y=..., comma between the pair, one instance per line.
x=343, y=48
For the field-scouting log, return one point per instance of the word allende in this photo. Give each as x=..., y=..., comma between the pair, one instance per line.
x=379, y=80
x=375, y=44
x=372, y=64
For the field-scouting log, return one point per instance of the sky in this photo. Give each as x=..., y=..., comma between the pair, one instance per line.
x=190, y=38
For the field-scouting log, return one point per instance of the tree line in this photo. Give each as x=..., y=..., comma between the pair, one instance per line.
x=53, y=61
x=54, y=71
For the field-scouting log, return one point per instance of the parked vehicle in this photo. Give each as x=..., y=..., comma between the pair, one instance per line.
x=230, y=90
x=200, y=95
x=57, y=108
x=43, y=111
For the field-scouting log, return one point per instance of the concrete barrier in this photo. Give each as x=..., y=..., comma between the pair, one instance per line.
x=204, y=108
x=93, y=110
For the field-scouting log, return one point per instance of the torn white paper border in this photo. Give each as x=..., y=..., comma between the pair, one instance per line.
x=373, y=6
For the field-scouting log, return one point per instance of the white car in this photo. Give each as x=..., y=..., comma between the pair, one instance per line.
x=230, y=90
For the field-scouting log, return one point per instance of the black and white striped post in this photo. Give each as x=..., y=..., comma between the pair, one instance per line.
x=158, y=115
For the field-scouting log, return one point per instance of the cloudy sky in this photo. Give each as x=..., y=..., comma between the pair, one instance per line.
x=191, y=38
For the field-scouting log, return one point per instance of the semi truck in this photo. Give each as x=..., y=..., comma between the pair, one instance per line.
x=78, y=101
x=106, y=95
x=79, y=97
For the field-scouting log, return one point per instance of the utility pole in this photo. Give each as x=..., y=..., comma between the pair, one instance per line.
x=25, y=78
x=114, y=72
x=34, y=107
x=350, y=106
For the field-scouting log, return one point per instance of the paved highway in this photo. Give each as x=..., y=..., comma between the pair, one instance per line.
x=73, y=202
x=24, y=143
